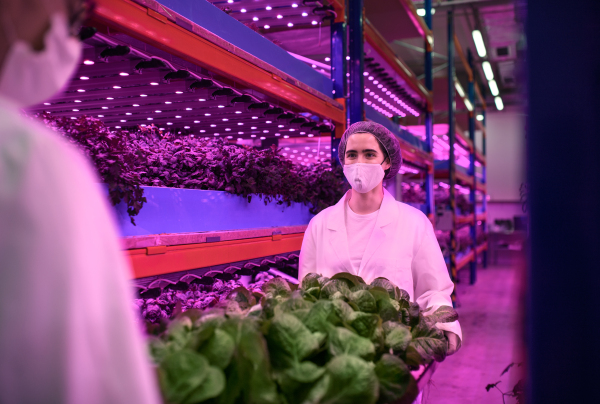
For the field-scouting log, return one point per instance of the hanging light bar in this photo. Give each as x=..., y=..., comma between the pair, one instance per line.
x=499, y=103
x=493, y=87
x=487, y=70
x=478, y=39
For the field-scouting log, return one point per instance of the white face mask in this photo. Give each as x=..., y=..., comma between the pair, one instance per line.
x=29, y=77
x=363, y=177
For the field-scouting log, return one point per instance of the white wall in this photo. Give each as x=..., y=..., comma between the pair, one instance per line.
x=505, y=155
x=505, y=162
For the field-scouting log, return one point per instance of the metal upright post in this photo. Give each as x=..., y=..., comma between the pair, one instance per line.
x=472, y=196
x=451, y=140
x=355, y=25
x=338, y=70
x=429, y=178
x=484, y=180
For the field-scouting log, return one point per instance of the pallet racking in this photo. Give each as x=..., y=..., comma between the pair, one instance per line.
x=149, y=65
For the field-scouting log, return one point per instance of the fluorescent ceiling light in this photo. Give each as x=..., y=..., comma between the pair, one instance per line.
x=499, y=103
x=421, y=12
x=469, y=105
x=487, y=70
x=480, y=117
x=494, y=87
x=478, y=39
x=459, y=89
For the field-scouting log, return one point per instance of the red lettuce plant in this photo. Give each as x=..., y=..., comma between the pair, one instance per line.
x=112, y=155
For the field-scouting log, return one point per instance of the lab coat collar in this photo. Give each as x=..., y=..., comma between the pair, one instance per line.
x=388, y=213
x=339, y=237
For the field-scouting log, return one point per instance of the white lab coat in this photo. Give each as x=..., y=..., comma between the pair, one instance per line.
x=67, y=327
x=402, y=248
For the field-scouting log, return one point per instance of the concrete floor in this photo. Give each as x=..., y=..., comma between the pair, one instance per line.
x=490, y=320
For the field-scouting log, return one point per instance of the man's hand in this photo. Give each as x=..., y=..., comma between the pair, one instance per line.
x=453, y=342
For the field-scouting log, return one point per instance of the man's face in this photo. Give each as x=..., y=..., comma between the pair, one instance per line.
x=29, y=21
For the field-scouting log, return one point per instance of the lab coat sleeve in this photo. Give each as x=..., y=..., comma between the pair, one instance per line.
x=68, y=331
x=308, y=252
x=432, y=284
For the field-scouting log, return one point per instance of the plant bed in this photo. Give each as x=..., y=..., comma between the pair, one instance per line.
x=130, y=161
x=177, y=210
x=332, y=341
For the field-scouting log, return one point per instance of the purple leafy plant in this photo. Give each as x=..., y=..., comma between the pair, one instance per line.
x=127, y=160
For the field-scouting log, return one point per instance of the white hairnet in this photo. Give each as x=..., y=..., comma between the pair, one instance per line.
x=386, y=138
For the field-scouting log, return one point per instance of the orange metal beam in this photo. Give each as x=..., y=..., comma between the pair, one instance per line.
x=153, y=261
x=482, y=247
x=374, y=38
x=461, y=55
x=419, y=23
x=465, y=260
x=481, y=99
x=463, y=219
x=156, y=30
x=414, y=155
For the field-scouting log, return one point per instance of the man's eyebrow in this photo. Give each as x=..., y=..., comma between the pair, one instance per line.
x=364, y=151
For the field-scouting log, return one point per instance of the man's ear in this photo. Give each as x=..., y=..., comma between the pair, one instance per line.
x=386, y=164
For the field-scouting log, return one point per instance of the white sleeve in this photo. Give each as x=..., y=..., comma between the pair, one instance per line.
x=432, y=284
x=308, y=253
x=68, y=332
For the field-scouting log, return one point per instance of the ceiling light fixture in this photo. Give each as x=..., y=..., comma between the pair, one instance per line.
x=487, y=70
x=493, y=87
x=499, y=103
x=479, y=45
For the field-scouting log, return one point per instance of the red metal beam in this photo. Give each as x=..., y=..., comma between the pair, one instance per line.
x=156, y=30
x=153, y=261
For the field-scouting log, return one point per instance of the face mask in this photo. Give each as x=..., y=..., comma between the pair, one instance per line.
x=363, y=177
x=29, y=77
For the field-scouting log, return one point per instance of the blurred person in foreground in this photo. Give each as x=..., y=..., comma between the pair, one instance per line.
x=67, y=329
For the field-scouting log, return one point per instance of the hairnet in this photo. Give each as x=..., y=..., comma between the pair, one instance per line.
x=386, y=139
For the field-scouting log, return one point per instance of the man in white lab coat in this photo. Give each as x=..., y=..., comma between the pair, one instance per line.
x=67, y=329
x=369, y=234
